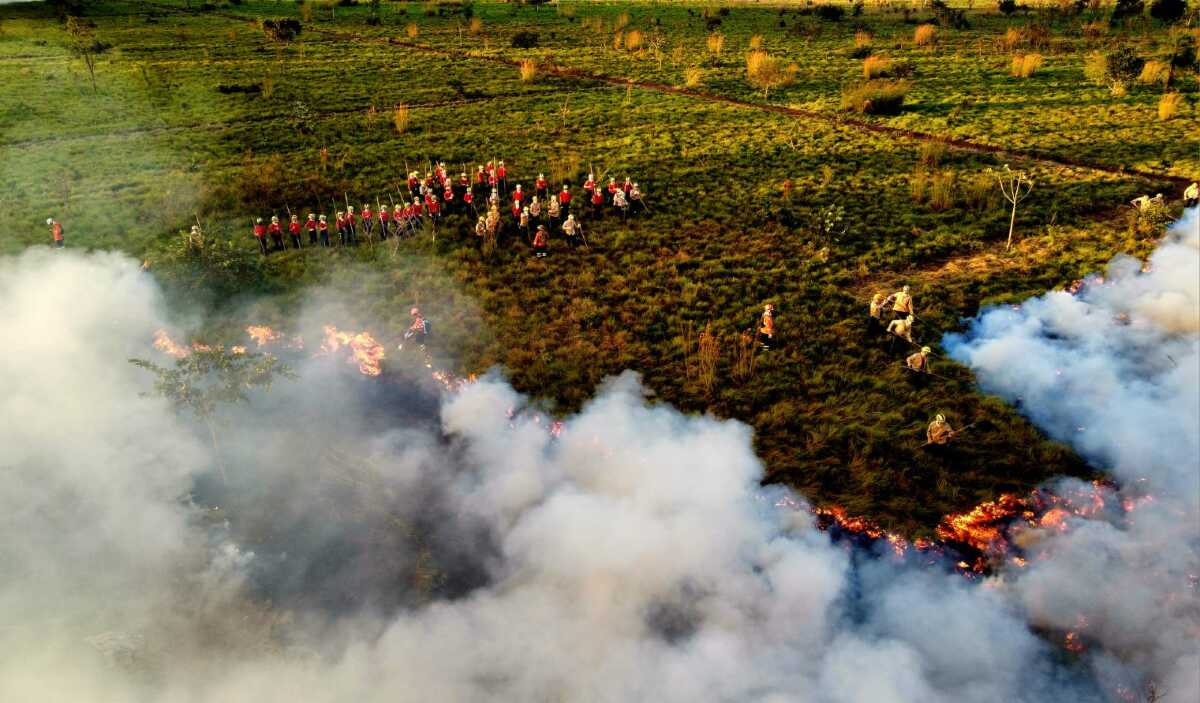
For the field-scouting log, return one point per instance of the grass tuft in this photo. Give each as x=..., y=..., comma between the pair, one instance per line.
x=715, y=43
x=693, y=77
x=878, y=97
x=1169, y=106
x=876, y=66
x=1025, y=65
x=528, y=70
x=925, y=35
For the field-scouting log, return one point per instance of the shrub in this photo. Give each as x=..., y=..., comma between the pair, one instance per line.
x=830, y=13
x=281, y=30
x=693, y=77
x=412, y=30
x=925, y=35
x=1007, y=7
x=1015, y=37
x=879, y=97
x=768, y=72
x=863, y=39
x=941, y=191
x=876, y=66
x=948, y=16
x=634, y=40
x=528, y=69
x=1094, y=30
x=1155, y=72
x=1095, y=68
x=1169, y=11
x=524, y=40
x=1169, y=106
x=1025, y=65
x=1123, y=65
x=931, y=153
x=1126, y=8
x=715, y=43
x=475, y=26
x=756, y=42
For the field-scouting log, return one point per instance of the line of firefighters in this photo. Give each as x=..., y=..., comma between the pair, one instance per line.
x=535, y=215
x=939, y=432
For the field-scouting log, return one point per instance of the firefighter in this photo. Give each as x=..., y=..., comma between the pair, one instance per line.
x=323, y=230
x=56, y=232
x=621, y=204
x=766, y=328
x=535, y=211
x=939, y=433
x=901, y=329
x=902, y=303
x=516, y=212
x=541, y=242
x=351, y=225
x=414, y=184
x=493, y=221
x=311, y=225
x=502, y=177
x=419, y=329
x=636, y=204
x=1191, y=196
x=276, y=233
x=385, y=222
x=517, y=196
x=294, y=231
x=468, y=200
x=1145, y=201
x=564, y=199
x=573, y=230
x=434, y=208
x=553, y=211
x=627, y=186
x=542, y=186
x=480, y=183
x=341, y=227
x=919, y=361
x=875, y=316
x=611, y=190
x=448, y=198
x=597, y=203
x=399, y=219
x=588, y=186
x=368, y=220
x=523, y=223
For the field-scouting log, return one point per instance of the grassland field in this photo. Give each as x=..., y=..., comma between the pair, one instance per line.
x=736, y=193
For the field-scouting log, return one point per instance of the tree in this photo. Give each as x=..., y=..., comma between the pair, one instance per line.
x=209, y=377
x=1016, y=186
x=85, y=45
x=767, y=72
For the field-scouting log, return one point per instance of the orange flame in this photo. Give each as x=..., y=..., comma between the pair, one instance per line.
x=262, y=334
x=166, y=345
x=364, y=350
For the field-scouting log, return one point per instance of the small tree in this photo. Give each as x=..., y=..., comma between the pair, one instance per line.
x=84, y=44
x=768, y=72
x=207, y=378
x=1016, y=186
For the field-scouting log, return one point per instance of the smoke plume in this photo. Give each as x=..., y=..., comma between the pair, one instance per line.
x=1114, y=371
x=377, y=542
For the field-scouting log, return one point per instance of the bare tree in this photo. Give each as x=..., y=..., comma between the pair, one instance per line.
x=1016, y=186
x=84, y=44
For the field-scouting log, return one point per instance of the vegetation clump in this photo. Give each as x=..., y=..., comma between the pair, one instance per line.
x=876, y=97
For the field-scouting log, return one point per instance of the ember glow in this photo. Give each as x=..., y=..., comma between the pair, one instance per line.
x=262, y=335
x=364, y=350
x=168, y=346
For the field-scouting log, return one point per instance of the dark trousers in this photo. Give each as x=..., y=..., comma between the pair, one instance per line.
x=342, y=236
x=351, y=234
x=277, y=240
x=312, y=237
x=874, y=326
x=59, y=243
x=383, y=229
x=262, y=245
x=368, y=226
x=325, y=237
x=296, y=241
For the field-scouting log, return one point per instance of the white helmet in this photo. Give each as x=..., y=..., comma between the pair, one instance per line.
x=274, y=219
x=259, y=220
x=926, y=350
x=49, y=220
x=939, y=418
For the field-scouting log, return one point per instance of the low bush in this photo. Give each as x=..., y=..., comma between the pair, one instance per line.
x=925, y=35
x=1155, y=73
x=878, y=97
x=524, y=40
x=1007, y=7
x=1025, y=65
x=715, y=43
x=1169, y=106
x=1169, y=11
x=830, y=13
x=769, y=72
x=528, y=70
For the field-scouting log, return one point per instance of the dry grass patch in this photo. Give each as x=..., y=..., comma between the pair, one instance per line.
x=878, y=97
x=400, y=118
x=876, y=66
x=412, y=30
x=1025, y=65
x=1155, y=73
x=634, y=40
x=769, y=72
x=475, y=26
x=1169, y=106
x=715, y=43
x=925, y=35
x=863, y=40
x=528, y=70
x=693, y=77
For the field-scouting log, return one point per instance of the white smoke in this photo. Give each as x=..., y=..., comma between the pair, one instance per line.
x=1115, y=372
x=633, y=558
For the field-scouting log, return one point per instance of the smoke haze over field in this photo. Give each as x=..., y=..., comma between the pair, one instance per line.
x=473, y=557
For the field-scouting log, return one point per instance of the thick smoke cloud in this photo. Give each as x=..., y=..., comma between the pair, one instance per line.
x=363, y=552
x=1115, y=372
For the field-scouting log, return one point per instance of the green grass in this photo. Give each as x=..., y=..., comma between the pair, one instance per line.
x=734, y=193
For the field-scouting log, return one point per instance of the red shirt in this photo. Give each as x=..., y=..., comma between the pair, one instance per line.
x=323, y=226
x=589, y=184
x=413, y=184
x=447, y=195
x=480, y=177
x=612, y=188
x=539, y=239
x=500, y=172
x=341, y=222
x=433, y=206
x=627, y=187
x=384, y=215
x=351, y=219
x=367, y=214
x=311, y=225
x=516, y=209
x=274, y=229
x=517, y=196
x=294, y=228
x=491, y=179
x=56, y=230
x=541, y=184
x=467, y=197
x=564, y=197
x=597, y=198
x=260, y=230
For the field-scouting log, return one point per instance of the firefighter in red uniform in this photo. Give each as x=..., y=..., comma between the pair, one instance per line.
x=260, y=234
x=276, y=233
x=541, y=242
x=351, y=226
x=413, y=214
x=311, y=225
x=323, y=229
x=517, y=196
x=385, y=222
x=564, y=198
x=627, y=186
x=468, y=200
x=481, y=184
x=419, y=329
x=56, y=231
x=294, y=231
x=612, y=189
x=542, y=186
x=502, y=177
x=588, y=186
x=516, y=211
x=368, y=220
x=448, y=197
x=399, y=219
x=433, y=207
x=597, y=203
x=341, y=228
x=414, y=183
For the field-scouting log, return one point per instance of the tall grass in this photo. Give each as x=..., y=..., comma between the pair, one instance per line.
x=863, y=39
x=1025, y=65
x=1095, y=68
x=878, y=97
x=400, y=118
x=412, y=30
x=1015, y=37
x=634, y=40
x=1169, y=106
x=925, y=35
x=941, y=190
x=528, y=70
x=876, y=66
x=756, y=42
x=693, y=77
x=708, y=354
x=715, y=43
x=475, y=26
x=931, y=153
